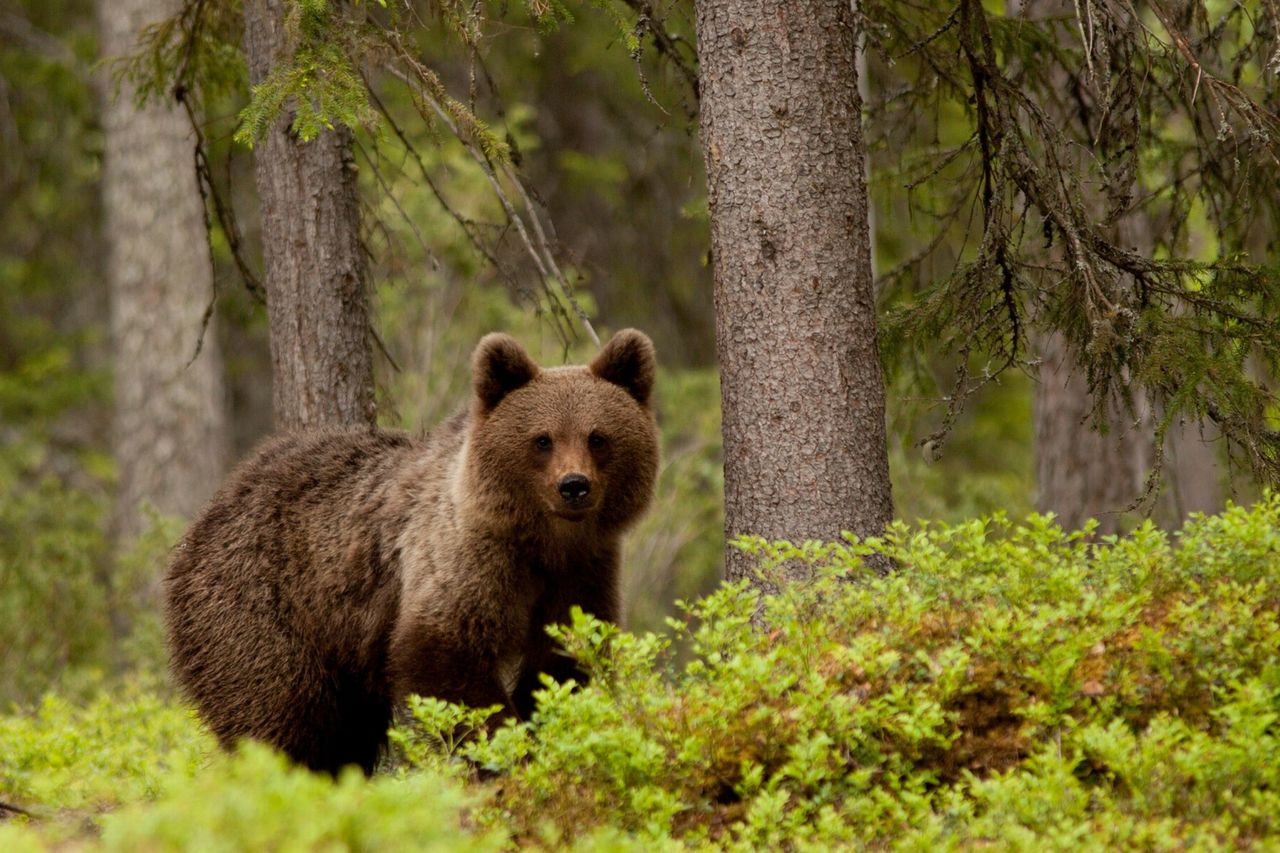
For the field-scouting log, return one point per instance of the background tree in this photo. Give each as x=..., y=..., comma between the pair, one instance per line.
x=1183, y=330
x=315, y=276
x=169, y=430
x=1084, y=472
x=801, y=385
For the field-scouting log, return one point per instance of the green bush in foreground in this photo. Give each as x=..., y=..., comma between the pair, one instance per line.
x=1005, y=683
x=1009, y=685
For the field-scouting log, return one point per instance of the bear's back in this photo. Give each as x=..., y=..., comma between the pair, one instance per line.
x=288, y=581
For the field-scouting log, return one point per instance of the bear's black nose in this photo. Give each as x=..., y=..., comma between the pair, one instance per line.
x=574, y=487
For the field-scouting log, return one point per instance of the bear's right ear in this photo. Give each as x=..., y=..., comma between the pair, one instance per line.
x=498, y=367
x=628, y=360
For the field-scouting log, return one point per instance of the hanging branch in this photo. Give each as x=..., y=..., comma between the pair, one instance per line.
x=1192, y=333
x=488, y=157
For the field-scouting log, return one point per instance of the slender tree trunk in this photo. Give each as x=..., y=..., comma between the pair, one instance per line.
x=801, y=384
x=321, y=359
x=169, y=434
x=1082, y=473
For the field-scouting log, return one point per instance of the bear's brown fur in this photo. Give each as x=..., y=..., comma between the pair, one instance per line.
x=336, y=572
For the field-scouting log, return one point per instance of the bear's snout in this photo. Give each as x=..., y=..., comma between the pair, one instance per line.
x=574, y=488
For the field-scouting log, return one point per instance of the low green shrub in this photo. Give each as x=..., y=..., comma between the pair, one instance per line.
x=114, y=749
x=1009, y=685
x=255, y=800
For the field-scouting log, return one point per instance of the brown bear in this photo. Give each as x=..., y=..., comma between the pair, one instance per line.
x=338, y=571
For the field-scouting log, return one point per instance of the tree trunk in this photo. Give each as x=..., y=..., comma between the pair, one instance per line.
x=1082, y=473
x=801, y=384
x=1193, y=470
x=169, y=433
x=321, y=359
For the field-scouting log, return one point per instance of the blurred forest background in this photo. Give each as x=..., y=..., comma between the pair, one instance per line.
x=599, y=114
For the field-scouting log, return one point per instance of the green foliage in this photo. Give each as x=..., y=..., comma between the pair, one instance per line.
x=438, y=732
x=58, y=600
x=53, y=605
x=49, y=174
x=196, y=52
x=320, y=82
x=187, y=799
x=1008, y=684
x=1129, y=216
x=254, y=800
x=985, y=466
x=116, y=748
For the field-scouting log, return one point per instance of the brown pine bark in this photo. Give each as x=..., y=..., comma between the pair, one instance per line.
x=169, y=431
x=321, y=358
x=801, y=384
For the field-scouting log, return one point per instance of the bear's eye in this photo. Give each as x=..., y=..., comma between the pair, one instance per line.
x=542, y=442
x=595, y=441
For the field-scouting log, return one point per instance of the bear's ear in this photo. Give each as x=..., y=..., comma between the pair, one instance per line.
x=498, y=367
x=628, y=360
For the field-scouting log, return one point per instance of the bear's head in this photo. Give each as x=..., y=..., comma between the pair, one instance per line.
x=577, y=444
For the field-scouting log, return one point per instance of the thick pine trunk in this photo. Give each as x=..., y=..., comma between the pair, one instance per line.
x=321, y=359
x=801, y=384
x=169, y=434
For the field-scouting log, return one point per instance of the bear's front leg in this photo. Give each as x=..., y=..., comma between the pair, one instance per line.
x=556, y=664
x=437, y=665
x=595, y=591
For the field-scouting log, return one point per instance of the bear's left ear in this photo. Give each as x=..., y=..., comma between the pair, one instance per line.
x=628, y=360
x=498, y=367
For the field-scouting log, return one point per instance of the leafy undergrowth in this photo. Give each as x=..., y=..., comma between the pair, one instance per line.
x=1008, y=685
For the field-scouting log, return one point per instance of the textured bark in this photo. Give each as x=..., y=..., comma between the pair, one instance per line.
x=169, y=433
x=1082, y=473
x=801, y=384
x=321, y=359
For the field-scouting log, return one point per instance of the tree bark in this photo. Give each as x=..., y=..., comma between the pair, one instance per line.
x=169, y=431
x=1080, y=472
x=321, y=358
x=801, y=384
x=1083, y=474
